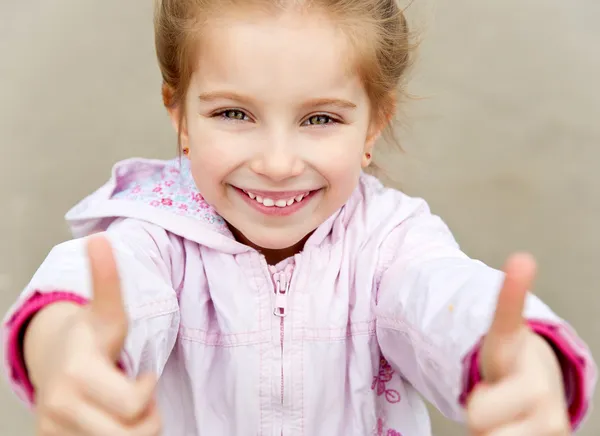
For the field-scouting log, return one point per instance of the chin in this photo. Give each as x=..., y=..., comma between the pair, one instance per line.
x=279, y=239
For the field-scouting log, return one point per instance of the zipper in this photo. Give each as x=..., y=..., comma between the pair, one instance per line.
x=282, y=287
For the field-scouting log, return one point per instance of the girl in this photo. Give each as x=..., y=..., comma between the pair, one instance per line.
x=268, y=283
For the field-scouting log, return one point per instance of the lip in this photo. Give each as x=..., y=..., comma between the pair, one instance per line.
x=281, y=195
x=277, y=195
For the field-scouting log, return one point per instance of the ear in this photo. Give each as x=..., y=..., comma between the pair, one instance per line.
x=375, y=131
x=372, y=136
x=175, y=114
x=381, y=120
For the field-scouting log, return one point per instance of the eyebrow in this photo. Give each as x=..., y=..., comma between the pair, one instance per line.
x=318, y=102
x=223, y=95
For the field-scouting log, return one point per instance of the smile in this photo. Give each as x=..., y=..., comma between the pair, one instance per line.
x=277, y=203
x=281, y=202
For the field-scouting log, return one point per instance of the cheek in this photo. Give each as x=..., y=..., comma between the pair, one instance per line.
x=343, y=182
x=341, y=160
x=209, y=165
x=213, y=154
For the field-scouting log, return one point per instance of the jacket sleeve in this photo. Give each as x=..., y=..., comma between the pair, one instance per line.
x=150, y=267
x=434, y=305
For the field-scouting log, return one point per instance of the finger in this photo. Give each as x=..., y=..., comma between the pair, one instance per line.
x=91, y=421
x=503, y=341
x=520, y=271
x=522, y=428
x=492, y=406
x=107, y=306
x=152, y=415
x=46, y=425
x=119, y=396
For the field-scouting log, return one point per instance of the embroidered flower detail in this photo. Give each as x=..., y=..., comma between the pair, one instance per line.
x=381, y=380
x=197, y=197
x=381, y=431
x=171, y=188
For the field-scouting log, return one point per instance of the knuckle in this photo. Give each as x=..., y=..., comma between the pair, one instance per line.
x=54, y=400
x=59, y=403
x=135, y=406
x=151, y=426
x=536, y=394
x=131, y=409
x=75, y=371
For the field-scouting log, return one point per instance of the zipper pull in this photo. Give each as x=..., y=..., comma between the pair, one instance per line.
x=282, y=287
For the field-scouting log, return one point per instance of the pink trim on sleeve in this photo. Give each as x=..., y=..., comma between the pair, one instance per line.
x=571, y=353
x=15, y=329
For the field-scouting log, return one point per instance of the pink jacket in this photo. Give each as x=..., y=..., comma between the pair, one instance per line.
x=341, y=339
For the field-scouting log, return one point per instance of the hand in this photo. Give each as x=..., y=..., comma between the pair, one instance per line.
x=522, y=391
x=83, y=392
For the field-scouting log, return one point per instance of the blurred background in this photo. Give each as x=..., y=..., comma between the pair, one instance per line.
x=504, y=141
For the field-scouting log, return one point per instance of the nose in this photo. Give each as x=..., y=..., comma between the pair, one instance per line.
x=277, y=162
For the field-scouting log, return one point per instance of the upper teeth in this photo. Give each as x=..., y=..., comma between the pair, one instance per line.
x=269, y=202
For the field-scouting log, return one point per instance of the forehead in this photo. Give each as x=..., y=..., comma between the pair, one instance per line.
x=285, y=54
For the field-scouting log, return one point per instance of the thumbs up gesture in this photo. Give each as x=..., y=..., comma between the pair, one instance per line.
x=82, y=391
x=522, y=390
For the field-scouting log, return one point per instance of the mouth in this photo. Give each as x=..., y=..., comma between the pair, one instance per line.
x=280, y=200
x=277, y=203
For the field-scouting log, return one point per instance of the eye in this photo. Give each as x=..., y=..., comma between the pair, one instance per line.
x=319, y=120
x=233, y=114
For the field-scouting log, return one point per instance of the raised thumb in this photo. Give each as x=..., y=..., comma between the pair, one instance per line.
x=108, y=313
x=504, y=341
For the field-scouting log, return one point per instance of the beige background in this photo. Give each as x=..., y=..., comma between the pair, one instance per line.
x=505, y=146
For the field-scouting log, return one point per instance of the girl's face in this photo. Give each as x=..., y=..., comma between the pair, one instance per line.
x=278, y=125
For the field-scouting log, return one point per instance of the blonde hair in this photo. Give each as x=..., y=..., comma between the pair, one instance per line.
x=377, y=30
